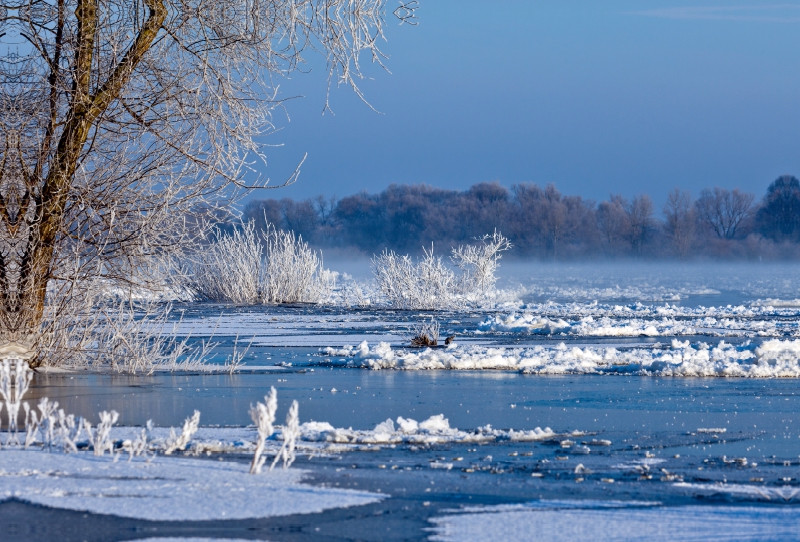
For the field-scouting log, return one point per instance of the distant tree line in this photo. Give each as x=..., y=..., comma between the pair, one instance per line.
x=543, y=223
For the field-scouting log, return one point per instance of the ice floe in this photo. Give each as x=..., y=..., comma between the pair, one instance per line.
x=773, y=358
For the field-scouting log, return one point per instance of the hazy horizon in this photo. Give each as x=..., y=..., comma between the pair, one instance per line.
x=619, y=97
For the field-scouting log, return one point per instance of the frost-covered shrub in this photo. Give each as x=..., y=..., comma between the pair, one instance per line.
x=427, y=284
x=292, y=272
x=126, y=336
x=430, y=284
x=277, y=267
x=229, y=269
x=478, y=263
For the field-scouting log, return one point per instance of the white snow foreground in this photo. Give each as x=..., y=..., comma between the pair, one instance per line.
x=170, y=489
x=434, y=430
x=773, y=358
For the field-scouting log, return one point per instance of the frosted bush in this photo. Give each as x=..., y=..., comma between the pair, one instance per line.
x=125, y=335
x=228, y=269
x=479, y=263
x=263, y=415
x=180, y=442
x=430, y=284
x=278, y=267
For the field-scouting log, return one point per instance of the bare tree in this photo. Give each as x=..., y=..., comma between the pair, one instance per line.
x=680, y=222
x=640, y=220
x=613, y=224
x=118, y=116
x=724, y=210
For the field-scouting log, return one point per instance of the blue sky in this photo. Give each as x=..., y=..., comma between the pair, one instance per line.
x=597, y=97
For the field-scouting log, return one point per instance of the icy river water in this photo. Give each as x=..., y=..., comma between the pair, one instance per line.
x=668, y=403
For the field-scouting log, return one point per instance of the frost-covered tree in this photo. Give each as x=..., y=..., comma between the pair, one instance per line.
x=117, y=117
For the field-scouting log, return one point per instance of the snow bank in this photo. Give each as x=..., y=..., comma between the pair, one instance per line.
x=773, y=358
x=170, y=489
x=434, y=430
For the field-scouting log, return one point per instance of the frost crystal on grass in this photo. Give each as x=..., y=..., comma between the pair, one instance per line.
x=291, y=432
x=263, y=415
x=68, y=431
x=100, y=438
x=14, y=381
x=180, y=442
x=31, y=425
x=47, y=421
x=138, y=446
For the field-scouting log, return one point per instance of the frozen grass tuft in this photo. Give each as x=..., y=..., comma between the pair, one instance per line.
x=263, y=416
x=68, y=431
x=139, y=445
x=100, y=439
x=180, y=442
x=290, y=433
x=15, y=377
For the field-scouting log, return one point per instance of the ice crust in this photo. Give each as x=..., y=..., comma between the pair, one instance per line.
x=773, y=358
x=173, y=489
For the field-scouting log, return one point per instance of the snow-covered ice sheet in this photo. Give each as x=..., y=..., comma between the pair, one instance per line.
x=772, y=358
x=594, y=520
x=171, y=489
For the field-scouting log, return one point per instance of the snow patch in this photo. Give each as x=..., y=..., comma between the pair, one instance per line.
x=166, y=489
